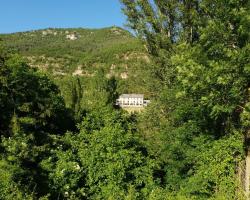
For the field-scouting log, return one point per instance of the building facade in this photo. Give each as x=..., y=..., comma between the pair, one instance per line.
x=131, y=100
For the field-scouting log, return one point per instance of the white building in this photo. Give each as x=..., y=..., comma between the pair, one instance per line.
x=72, y=36
x=132, y=100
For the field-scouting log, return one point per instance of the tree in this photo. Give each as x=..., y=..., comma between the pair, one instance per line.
x=205, y=89
x=105, y=160
x=31, y=109
x=72, y=90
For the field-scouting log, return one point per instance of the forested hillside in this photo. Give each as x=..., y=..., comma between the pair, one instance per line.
x=67, y=54
x=62, y=137
x=65, y=50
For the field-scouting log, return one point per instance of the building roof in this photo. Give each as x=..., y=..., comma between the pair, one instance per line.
x=131, y=96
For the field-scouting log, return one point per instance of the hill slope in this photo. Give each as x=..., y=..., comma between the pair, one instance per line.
x=79, y=51
x=82, y=52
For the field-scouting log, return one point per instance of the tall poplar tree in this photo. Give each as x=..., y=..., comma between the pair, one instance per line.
x=202, y=53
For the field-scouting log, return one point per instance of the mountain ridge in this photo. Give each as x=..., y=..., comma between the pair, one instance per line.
x=82, y=52
x=80, y=47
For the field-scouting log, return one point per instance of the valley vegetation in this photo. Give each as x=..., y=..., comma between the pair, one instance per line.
x=63, y=138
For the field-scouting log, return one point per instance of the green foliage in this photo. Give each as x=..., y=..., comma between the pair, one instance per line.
x=51, y=50
x=9, y=189
x=189, y=143
x=105, y=160
x=31, y=108
x=29, y=94
x=72, y=89
x=114, y=50
x=113, y=157
x=198, y=133
x=221, y=157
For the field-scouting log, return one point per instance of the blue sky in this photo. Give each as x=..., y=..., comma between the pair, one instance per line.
x=23, y=15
